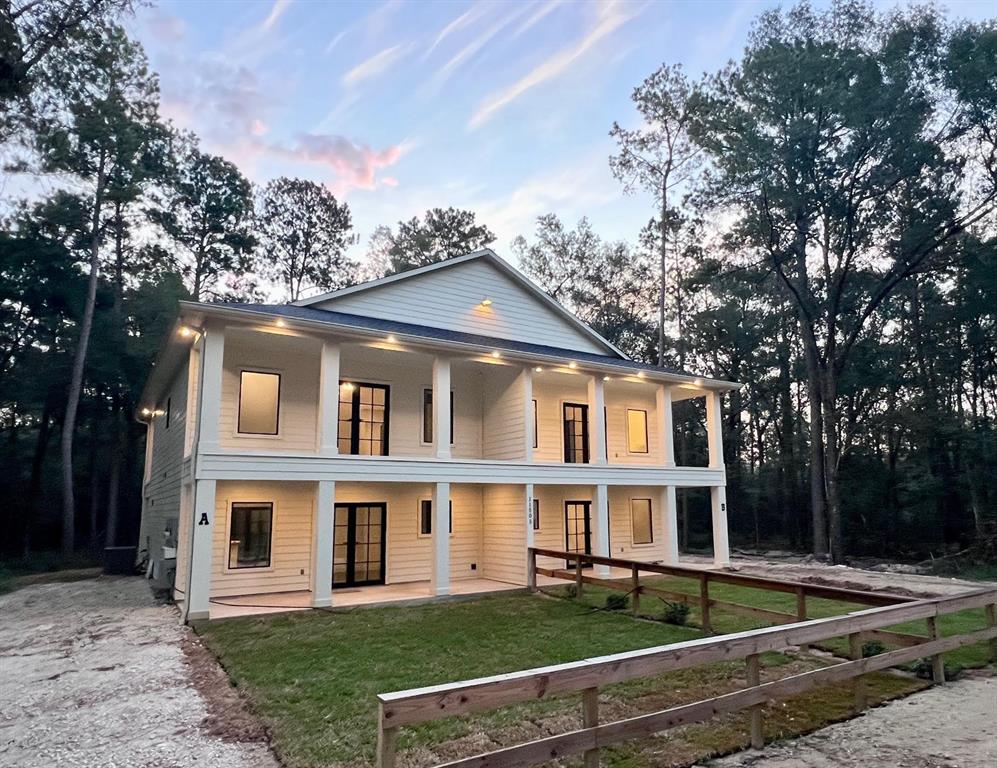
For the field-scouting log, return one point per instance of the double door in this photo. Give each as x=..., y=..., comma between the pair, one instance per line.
x=358, y=544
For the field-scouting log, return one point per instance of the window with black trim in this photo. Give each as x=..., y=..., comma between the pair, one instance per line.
x=636, y=430
x=250, y=533
x=259, y=403
x=536, y=514
x=427, y=416
x=169, y=411
x=363, y=419
x=426, y=517
x=640, y=521
x=536, y=434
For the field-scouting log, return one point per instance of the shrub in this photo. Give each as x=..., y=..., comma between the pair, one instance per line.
x=571, y=591
x=872, y=648
x=617, y=602
x=676, y=613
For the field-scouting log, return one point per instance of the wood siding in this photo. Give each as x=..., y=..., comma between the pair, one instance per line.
x=504, y=411
x=451, y=298
x=504, y=535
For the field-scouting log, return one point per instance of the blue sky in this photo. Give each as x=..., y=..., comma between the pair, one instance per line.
x=500, y=107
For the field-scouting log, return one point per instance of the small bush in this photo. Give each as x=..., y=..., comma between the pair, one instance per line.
x=872, y=648
x=676, y=613
x=923, y=670
x=617, y=602
x=571, y=591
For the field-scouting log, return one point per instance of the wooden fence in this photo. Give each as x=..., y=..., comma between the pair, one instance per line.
x=421, y=705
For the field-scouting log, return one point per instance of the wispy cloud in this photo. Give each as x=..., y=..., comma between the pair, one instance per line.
x=278, y=9
x=541, y=13
x=465, y=54
x=375, y=65
x=469, y=16
x=353, y=165
x=612, y=17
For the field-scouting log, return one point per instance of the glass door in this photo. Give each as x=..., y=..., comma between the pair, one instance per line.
x=577, y=529
x=358, y=544
x=576, y=433
x=363, y=419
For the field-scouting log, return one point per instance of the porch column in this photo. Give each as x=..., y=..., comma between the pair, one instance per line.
x=713, y=427
x=212, y=363
x=441, y=406
x=666, y=424
x=597, y=420
x=199, y=580
x=440, y=582
x=528, y=431
x=528, y=518
x=600, y=539
x=322, y=533
x=669, y=524
x=329, y=400
x=721, y=547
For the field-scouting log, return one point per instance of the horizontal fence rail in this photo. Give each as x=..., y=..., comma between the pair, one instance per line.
x=586, y=677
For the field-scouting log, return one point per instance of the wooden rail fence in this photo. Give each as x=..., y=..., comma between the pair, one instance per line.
x=587, y=677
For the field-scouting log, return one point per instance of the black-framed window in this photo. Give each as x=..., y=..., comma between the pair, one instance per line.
x=640, y=521
x=169, y=411
x=536, y=424
x=637, y=430
x=536, y=514
x=250, y=534
x=576, y=433
x=426, y=517
x=259, y=403
x=363, y=419
x=427, y=416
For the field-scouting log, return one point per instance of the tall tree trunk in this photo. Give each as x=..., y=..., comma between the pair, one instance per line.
x=35, y=481
x=76, y=380
x=831, y=418
x=663, y=271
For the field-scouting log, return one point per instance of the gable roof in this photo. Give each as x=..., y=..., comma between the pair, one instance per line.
x=488, y=256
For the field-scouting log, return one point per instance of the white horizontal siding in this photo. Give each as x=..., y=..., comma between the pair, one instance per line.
x=451, y=298
x=504, y=533
x=621, y=529
x=504, y=414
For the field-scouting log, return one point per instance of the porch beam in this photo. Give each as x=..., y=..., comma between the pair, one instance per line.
x=440, y=581
x=441, y=406
x=666, y=423
x=322, y=540
x=597, y=420
x=197, y=605
x=329, y=400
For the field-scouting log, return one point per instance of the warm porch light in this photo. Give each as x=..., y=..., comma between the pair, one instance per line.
x=486, y=302
x=538, y=369
x=347, y=386
x=280, y=323
x=391, y=338
x=606, y=378
x=572, y=364
x=146, y=412
x=496, y=353
x=186, y=332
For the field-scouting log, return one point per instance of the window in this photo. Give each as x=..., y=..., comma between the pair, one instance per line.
x=426, y=517
x=427, y=416
x=363, y=419
x=640, y=521
x=636, y=431
x=576, y=433
x=259, y=403
x=535, y=433
x=536, y=512
x=249, y=536
x=169, y=411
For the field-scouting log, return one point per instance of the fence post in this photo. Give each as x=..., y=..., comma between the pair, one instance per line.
x=531, y=569
x=754, y=678
x=578, y=575
x=590, y=719
x=635, y=589
x=992, y=622
x=387, y=741
x=937, y=662
x=801, y=611
x=855, y=653
x=704, y=602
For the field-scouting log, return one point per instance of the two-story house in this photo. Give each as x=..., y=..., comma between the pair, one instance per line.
x=424, y=429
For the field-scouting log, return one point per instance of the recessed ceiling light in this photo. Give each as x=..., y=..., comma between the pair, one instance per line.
x=572, y=364
x=347, y=386
x=538, y=369
x=640, y=374
x=698, y=382
x=605, y=378
x=391, y=338
x=486, y=302
x=280, y=323
x=185, y=331
x=146, y=412
x=496, y=353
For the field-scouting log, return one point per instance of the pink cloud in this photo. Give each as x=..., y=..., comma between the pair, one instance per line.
x=353, y=164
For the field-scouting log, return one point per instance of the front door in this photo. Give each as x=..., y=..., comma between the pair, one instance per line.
x=577, y=529
x=358, y=544
x=576, y=433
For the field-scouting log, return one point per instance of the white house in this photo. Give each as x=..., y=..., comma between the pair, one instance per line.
x=422, y=430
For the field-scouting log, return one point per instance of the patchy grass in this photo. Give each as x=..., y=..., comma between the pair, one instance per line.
x=45, y=567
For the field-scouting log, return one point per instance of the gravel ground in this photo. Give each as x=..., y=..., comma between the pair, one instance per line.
x=951, y=726
x=94, y=673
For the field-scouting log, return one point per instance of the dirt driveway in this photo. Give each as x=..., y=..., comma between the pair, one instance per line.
x=93, y=673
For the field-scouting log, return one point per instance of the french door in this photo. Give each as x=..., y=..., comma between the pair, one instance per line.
x=576, y=433
x=578, y=529
x=363, y=419
x=358, y=544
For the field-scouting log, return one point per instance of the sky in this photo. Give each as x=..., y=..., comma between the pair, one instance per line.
x=503, y=108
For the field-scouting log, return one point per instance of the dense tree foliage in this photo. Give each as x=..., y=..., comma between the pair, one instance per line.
x=441, y=234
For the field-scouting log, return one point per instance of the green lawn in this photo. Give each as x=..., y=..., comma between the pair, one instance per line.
x=313, y=677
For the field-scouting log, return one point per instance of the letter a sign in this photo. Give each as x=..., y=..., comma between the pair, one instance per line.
x=204, y=519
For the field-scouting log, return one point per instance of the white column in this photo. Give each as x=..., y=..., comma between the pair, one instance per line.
x=199, y=583
x=669, y=524
x=713, y=427
x=329, y=400
x=441, y=407
x=600, y=537
x=597, y=421
x=721, y=547
x=212, y=362
x=528, y=520
x=440, y=582
x=528, y=436
x=322, y=534
x=666, y=424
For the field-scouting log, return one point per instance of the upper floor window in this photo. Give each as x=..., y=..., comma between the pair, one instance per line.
x=363, y=419
x=426, y=517
x=427, y=416
x=250, y=530
x=259, y=403
x=576, y=433
x=640, y=521
x=636, y=430
x=535, y=425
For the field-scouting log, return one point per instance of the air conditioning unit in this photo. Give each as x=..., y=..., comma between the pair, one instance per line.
x=163, y=569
